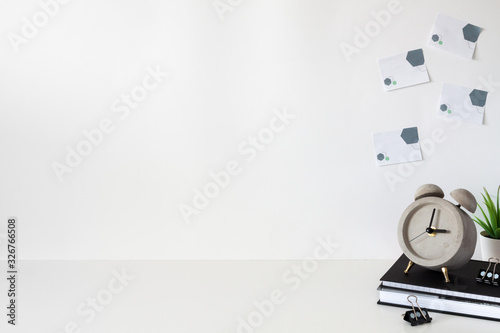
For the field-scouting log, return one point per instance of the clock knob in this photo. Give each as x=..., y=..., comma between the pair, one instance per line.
x=465, y=199
x=429, y=190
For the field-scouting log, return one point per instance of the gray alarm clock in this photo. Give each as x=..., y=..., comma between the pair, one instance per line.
x=436, y=234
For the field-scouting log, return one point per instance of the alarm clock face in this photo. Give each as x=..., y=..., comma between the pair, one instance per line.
x=431, y=232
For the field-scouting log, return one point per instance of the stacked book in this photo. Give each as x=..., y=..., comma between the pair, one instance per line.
x=466, y=294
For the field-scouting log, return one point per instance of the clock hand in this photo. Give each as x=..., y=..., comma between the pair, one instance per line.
x=411, y=240
x=441, y=231
x=429, y=229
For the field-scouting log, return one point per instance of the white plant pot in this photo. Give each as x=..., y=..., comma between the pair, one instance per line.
x=490, y=247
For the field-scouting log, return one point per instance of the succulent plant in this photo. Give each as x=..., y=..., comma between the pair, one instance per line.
x=491, y=220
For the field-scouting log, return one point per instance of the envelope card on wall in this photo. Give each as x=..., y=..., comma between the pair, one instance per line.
x=398, y=146
x=455, y=36
x=466, y=103
x=403, y=70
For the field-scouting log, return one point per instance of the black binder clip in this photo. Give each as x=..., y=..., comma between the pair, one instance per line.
x=415, y=317
x=487, y=277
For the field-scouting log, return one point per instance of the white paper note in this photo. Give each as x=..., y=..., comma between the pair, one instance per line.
x=455, y=36
x=398, y=146
x=466, y=103
x=403, y=70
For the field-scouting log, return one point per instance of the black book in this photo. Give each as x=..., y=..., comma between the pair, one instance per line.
x=463, y=282
x=440, y=303
x=463, y=295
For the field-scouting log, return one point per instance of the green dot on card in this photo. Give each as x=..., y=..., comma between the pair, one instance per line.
x=449, y=111
x=387, y=158
x=440, y=42
x=394, y=82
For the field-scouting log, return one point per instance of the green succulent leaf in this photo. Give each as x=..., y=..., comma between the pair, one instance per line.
x=485, y=216
x=485, y=226
x=490, y=205
x=491, y=214
x=498, y=206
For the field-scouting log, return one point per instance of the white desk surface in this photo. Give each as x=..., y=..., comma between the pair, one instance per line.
x=211, y=296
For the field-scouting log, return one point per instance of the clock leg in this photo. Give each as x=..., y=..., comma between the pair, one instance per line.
x=445, y=273
x=410, y=264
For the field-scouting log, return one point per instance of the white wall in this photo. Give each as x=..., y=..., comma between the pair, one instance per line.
x=317, y=177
